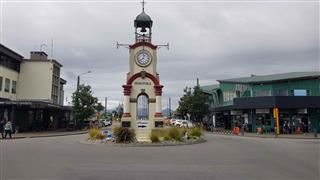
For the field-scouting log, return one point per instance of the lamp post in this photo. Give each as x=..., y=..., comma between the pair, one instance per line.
x=78, y=84
x=78, y=81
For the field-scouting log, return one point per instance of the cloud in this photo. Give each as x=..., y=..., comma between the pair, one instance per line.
x=210, y=41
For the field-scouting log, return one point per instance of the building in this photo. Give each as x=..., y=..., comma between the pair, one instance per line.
x=31, y=91
x=142, y=91
x=252, y=100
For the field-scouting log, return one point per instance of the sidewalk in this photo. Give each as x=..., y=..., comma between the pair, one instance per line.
x=270, y=135
x=46, y=134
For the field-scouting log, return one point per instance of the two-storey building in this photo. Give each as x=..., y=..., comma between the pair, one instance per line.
x=251, y=100
x=31, y=91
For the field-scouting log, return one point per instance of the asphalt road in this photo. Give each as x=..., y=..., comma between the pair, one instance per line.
x=221, y=157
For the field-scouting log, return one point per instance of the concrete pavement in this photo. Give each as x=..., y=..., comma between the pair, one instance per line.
x=221, y=157
x=46, y=134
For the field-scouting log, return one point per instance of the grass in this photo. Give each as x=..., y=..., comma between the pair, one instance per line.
x=155, y=137
x=95, y=133
x=195, y=132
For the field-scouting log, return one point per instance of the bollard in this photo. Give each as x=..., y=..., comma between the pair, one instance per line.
x=315, y=132
x=275, y=132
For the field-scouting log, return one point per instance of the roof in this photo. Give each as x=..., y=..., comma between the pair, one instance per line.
x=274, y=77
x=10, y=53
x=143, y=20
x=45, y=60
x=62, y=81
x=209, y=88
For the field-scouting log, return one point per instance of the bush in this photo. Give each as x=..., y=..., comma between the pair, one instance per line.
x=154, y=137
x=175, y=133
x=167, y=137
x=124, y=135
x=101, y=136
x=93, y=132
x=195, y=132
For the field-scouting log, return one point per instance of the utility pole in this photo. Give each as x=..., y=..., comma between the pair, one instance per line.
x=105, y=105
x=169, y=106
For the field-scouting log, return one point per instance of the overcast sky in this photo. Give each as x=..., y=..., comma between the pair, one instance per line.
x=209, y=40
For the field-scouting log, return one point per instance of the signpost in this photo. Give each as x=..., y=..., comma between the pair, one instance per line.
x=276, y=118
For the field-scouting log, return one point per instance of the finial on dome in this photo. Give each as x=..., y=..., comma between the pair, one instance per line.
x=143, y=3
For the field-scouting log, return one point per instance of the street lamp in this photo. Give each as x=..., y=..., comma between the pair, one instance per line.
x=78, y=82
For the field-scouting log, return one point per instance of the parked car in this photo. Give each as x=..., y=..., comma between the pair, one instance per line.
x=173, y=121
x=187, y=124
x=178, y=122
x=107, y=122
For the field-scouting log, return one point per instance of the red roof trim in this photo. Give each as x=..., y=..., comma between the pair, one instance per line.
x=143, y=44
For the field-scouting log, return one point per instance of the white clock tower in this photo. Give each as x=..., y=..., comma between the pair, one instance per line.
x=142, y=90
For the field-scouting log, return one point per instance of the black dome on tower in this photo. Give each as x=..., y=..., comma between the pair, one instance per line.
x=143, y=20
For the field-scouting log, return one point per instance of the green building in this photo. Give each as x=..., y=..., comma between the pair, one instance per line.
x=251, y=100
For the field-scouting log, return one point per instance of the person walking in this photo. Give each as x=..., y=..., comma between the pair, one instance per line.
x=8, y=129
x=2, y=127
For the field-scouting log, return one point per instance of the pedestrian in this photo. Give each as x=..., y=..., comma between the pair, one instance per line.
x=303, y=127
x=2, y=127
x=8, y=129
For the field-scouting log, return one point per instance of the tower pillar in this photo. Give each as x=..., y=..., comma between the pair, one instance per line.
x=126, y=101
x=158, y=92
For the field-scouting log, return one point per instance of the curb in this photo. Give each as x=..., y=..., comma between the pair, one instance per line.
x=49, y=135
x=199, y=141
x=270, y=137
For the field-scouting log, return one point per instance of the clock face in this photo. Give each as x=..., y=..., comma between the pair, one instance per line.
x=143, y=58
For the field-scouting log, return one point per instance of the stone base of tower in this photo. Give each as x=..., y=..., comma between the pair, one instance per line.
x=143, y=135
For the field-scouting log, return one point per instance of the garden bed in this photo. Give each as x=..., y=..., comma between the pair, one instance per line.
x=172, y=136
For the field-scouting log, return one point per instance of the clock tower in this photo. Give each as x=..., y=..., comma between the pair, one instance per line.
x=142, y=91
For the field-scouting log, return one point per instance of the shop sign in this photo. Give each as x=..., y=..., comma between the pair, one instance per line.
x=233, y=112
x=302, y=111
x=262, y=111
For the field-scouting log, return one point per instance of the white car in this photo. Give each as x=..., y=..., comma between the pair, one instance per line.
x=178, y=122
x=187, y=124
x=173, y=121
x=106, y=122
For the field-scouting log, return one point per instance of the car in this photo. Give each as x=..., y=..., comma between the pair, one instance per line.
x=106, y=122
x=187, y=124
x=178, y=122
x=173, y=121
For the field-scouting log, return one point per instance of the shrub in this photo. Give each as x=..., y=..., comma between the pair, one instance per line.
x=195, y=132
x=124, y=135
x=167, y=137
x=154, y=137
x=93, y=132
x=175, y=133
x=101, y=136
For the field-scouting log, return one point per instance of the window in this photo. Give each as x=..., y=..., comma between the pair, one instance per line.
x=1, y=83
x=228, y=95
x=300, y=92
x=281, y=92
x=143, y=107
x=7, y=85
x=14, y=87
x=238, y=93
x=258, y=93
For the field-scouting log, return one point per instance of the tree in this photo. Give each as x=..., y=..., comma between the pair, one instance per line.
x=119, y=110
x=185, y=103
x=84, y=104
x=99, y=107
x=193, y=103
